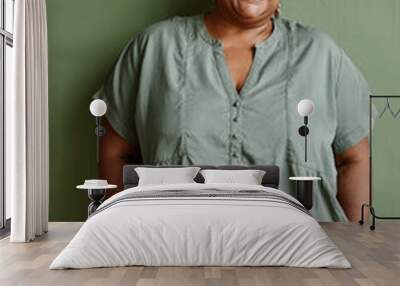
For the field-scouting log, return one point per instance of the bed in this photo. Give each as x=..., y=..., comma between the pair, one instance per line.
x=198, y=224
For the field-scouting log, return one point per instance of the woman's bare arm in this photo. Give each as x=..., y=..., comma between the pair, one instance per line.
x=353, y=178
x=115, y=152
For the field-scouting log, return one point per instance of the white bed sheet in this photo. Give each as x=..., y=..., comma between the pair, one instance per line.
x=200, y=232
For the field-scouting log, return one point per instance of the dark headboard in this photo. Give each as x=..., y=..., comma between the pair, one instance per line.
x=271, y=177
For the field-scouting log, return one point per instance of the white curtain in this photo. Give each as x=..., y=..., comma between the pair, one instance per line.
x=27, y=124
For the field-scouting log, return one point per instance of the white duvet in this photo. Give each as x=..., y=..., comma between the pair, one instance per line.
x=200, y=231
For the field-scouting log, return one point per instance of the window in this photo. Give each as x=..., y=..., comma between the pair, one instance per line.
x=6, y=63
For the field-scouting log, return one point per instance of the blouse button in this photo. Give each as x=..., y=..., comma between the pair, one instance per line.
x=235, y=104
x=234, y=155
x=234, y=136
x=235, y=119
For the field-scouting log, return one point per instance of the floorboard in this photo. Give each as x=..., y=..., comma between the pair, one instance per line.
x=375, y=256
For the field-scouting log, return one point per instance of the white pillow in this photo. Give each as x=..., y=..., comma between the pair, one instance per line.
x=164, y=176
x=247, y=177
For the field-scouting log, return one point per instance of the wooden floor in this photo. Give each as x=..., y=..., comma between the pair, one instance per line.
x=375, y=257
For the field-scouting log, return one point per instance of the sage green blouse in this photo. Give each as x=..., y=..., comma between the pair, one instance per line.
x=171, y=94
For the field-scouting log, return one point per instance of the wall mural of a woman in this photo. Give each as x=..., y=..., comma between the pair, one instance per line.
x=223, y=87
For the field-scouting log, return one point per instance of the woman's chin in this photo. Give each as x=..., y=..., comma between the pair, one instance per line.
x=250, y=14
x=250, y=10
x=250, y=20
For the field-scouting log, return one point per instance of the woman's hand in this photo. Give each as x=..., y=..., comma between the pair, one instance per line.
x=115, y=152
x=353, y=179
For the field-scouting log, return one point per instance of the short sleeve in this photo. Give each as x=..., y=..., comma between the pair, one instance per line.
x=119, y=91
x=352, y=106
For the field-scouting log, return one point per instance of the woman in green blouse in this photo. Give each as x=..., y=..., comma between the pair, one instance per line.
x=223, y=88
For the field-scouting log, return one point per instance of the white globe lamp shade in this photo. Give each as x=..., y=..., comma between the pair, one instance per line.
x=305, y=107
x=98, y=107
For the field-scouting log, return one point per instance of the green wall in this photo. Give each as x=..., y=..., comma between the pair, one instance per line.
x=85, y=37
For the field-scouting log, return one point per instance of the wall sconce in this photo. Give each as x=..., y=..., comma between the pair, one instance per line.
x=98, y=108
x=305, y=108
